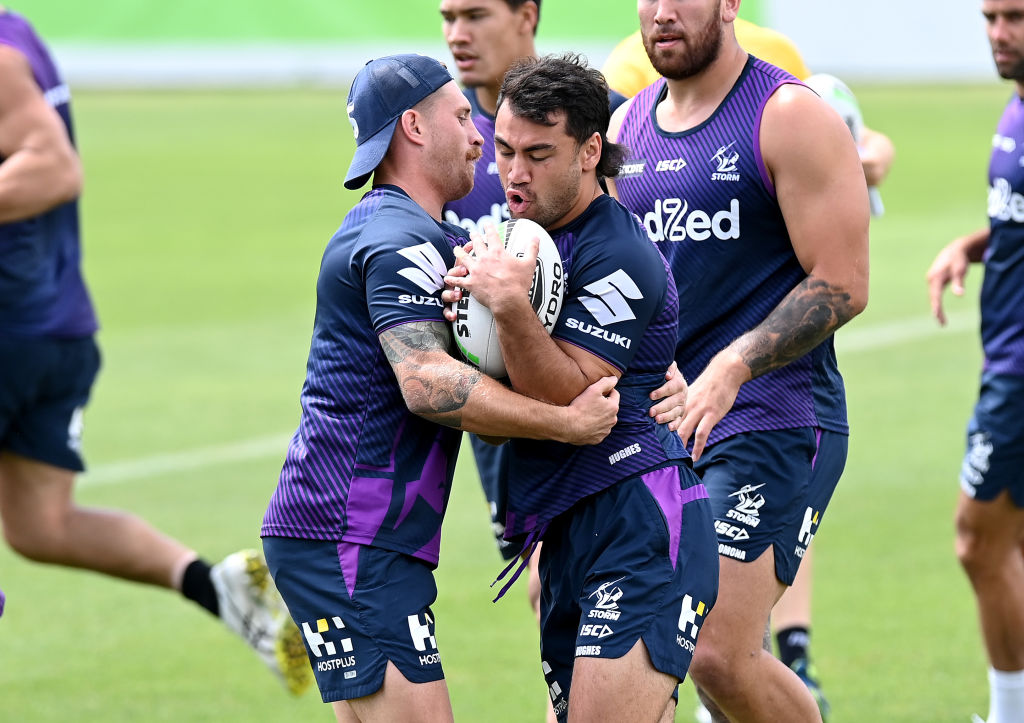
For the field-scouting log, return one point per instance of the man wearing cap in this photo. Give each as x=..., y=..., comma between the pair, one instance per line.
x=353, y=529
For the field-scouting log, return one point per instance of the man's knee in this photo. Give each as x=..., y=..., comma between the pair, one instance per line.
x=710, y=668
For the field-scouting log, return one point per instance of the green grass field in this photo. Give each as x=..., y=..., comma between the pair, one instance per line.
x=205, y=216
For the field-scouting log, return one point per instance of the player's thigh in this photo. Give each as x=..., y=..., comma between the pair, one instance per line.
x=34, y=496
x=399, y=700
x=360, y=610
x=628, y=688
x=770, y=490
x=747, y=591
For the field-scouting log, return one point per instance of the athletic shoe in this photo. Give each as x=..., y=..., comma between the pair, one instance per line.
x=3, y=599
x=805, y=672
x=251, y=606
x=975, y=718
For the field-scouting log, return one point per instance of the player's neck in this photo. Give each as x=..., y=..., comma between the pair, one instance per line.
x=487, y=98
x=691, y=101
x=419, y=189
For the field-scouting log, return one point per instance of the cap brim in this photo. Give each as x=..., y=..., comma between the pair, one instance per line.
x=368, y=156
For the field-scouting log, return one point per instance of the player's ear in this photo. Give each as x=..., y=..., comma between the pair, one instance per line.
x=412, y=126
x=528, y=14
x=730, y=9
x=590, y=152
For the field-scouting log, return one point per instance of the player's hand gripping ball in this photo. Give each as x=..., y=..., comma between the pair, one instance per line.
x=476, y=333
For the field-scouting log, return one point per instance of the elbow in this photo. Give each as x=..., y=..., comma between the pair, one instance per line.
x=68, y=179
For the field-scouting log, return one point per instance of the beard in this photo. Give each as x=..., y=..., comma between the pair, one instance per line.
x=1012, y=71
x=701, y=50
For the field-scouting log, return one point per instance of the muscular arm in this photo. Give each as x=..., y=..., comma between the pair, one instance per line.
x=822, y=195
x=818, y=179
x=40, y=168
x=439, y=388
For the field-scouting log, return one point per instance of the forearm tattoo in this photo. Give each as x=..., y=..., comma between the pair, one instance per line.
x=431, y=388
x=801, y=321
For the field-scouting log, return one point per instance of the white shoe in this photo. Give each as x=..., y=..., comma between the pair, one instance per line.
x=251, y=606
x=975, y=718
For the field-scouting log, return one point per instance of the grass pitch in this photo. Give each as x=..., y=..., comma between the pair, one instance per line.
x=205, y=216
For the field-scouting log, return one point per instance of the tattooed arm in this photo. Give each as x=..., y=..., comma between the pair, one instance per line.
x=819, y=183
x=442, y=389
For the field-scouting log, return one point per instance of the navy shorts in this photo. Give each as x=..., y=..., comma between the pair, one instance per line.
x=771, y=488
x=492, y=467
x=995, y=440
x=637, y=560
x=358, y=607
x=44, y=386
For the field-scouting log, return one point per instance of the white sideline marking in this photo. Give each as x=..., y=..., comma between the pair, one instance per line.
x=852, y=340
x=893, y=333
x=189, y=459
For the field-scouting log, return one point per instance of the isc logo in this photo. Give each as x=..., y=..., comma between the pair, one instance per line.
x=673, y=164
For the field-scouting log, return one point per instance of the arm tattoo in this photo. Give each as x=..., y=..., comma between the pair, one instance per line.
x=803, y=319
x=432, y=388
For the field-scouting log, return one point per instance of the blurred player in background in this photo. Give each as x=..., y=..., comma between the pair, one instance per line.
x=990, y=510
x=628, y=565
x=49, y=360
x=353, y=530
x=757, y=317
x=629, y=70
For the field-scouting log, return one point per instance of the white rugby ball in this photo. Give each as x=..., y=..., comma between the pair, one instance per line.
x=476, y=333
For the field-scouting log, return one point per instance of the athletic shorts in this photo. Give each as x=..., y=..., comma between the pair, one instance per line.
x=771, y=488
x=44, y=386
x=636, y=560
x=995, y=440
x=358, y=607
x=492, y=467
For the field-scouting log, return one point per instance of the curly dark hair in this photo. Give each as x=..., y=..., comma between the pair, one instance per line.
x=537, y=88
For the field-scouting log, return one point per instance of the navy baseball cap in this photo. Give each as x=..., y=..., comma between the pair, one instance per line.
x=384, y=89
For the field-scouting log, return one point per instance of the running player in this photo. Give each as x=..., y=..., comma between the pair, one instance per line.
x=744, y=179
x=48, y=363
x=353, y=529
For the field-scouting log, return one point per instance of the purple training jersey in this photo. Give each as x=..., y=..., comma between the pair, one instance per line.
x=42, y=293
x=705, y=197
x=361, y=467
x=620, y=305
x=1002, y=291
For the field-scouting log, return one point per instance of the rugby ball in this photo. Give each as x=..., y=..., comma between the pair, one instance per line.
x=838, y=95
x=476, y=333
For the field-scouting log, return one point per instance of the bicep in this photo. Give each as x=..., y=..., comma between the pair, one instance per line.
x=27, y=122
x=819, y=183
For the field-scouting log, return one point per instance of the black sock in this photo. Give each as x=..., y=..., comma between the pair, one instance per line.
x=793, y=643
x=197, y=586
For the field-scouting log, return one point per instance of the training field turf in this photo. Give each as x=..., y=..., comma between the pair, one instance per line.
x=205, y=216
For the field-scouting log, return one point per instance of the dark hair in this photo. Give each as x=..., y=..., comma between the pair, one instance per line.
x=537, y=88
x=516, y=4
